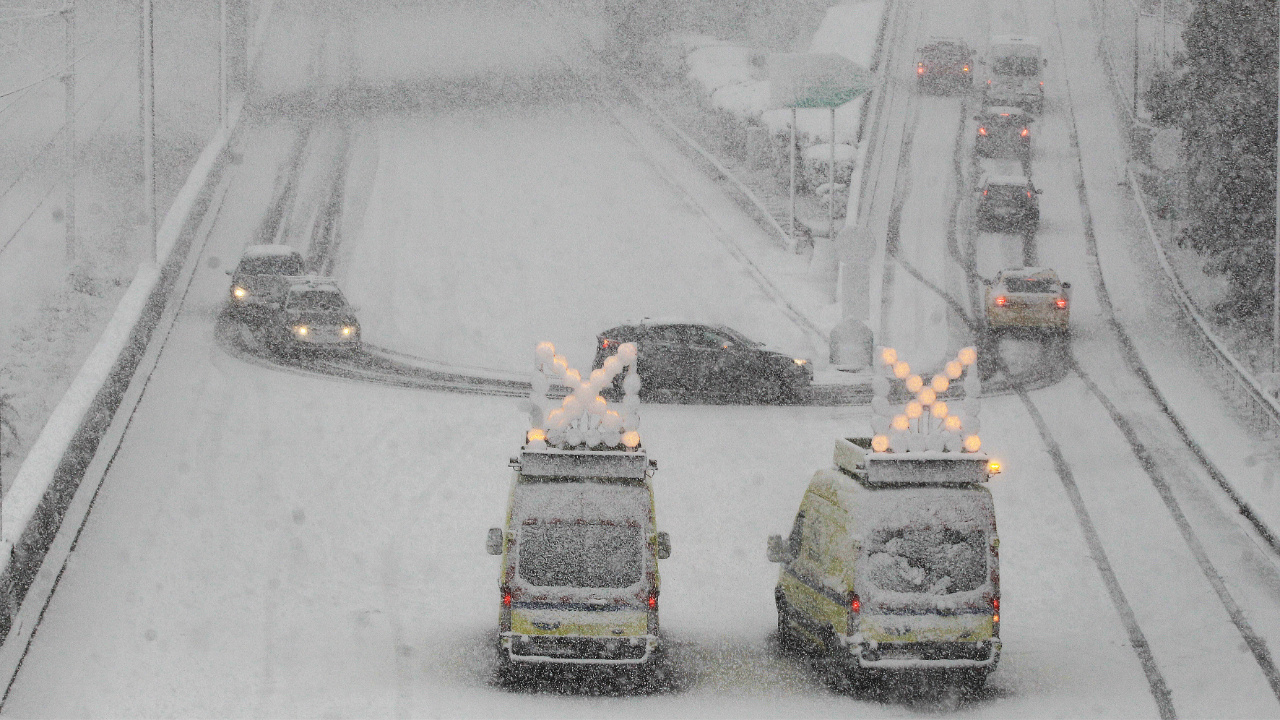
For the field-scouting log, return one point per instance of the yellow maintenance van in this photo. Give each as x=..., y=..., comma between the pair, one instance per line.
x=579, y=582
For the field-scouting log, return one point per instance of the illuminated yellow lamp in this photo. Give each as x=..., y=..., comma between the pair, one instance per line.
x=973, y=443
x=927, y=396
x=954, y=369
x=535, y=435
x=880, y=443
x=889, y=356
x=901, y=370
x=952, y=423
x=346, y=331
x=967, y=356
x=940, y=383
x=939, y=410
x=993, y=467
x=601, y=403
x=301, y=329
x=631, y=439
x=914, y=383
x=901, y=423
x=239, y=292
x=573, y=376
x=914, y=409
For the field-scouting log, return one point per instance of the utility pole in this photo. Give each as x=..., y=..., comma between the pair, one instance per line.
x=222, y=66
x=147, y=103
x=1275, y=258
x=1137, y=16
x=69, y=83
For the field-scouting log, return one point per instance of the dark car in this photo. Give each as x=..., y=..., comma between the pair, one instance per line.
x=1008, y=203
x=1003, y=132
x=943, y=65
x=260, y=279
x=314, y=315
x=707, y=360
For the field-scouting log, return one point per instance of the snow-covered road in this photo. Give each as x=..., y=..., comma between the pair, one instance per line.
x=273, y=544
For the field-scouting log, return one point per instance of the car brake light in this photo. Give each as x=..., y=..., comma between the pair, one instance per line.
x=855, y=604
x=1025, y=132
x=653, y=601
x=984, y=193
x=1028, y=193
x=506, y=597
x=1001, y=301
x=920, y=69
x=1060, y=302
x=966, y=68
x=982, y=131
x=1041, y=83
x=995, y=604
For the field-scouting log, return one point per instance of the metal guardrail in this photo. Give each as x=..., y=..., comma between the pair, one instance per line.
x=1262, y=405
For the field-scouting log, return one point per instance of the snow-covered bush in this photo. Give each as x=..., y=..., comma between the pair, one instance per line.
x=816, y=165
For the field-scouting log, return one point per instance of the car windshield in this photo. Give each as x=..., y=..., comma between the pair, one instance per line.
x=737, y=337
x=580, y=554
x=1016, y=65
x=926, y=559
x=272, y=265
x=1030, y=285
x=316, y=300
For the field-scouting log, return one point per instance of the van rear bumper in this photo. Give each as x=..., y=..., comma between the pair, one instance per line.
x=579, y=650
x=924, y=655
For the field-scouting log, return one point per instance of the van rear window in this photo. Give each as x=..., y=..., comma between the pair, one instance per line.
x=926, y=560
x=578, y=554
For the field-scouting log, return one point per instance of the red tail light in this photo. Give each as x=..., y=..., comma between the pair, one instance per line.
x=855, y=604
x=995, y=604
x=1028, y=193
x=920, y=69
x=506, y=597
x=966, y=68
x=984, y=193
x=982, y=131
x=1025, y=132
x=653, y=601
x=1001, y=301
x=606, y=344
x=1061, y=302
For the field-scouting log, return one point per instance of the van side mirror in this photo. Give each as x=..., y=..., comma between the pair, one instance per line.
x=986, y=281
x=664, y=546
x=493, y=543
x=978, y=118
x=1066, y=286
x=778, y=552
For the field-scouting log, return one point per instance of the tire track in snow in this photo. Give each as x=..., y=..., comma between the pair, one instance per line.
x=1257, y=646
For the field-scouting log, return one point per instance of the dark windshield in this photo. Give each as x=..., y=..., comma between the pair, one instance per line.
x=1024, y=66
x=272, y=265
x=1006, y=193
x=927, y=560
x=584, y=555
x=1030, y=285
x=317, y=300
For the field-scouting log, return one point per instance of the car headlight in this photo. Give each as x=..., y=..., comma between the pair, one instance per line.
x=800, y=361
x=239, y=293
x=349, y=330
x=300, y=330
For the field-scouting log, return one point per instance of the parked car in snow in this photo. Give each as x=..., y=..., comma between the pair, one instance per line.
x=945, y=64
x=1008, y=203
x=1028, y=298
x=1003, y=132
x=260, y=279
x=314, y=315
x=708, y=360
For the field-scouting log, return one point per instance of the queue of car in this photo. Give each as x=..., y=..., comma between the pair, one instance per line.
x=292, y=312
x=1012, y=95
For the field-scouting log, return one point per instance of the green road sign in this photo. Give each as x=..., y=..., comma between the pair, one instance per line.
x=815, y=80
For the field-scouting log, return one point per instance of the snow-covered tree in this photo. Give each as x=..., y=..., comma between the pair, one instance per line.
x=1228, y=95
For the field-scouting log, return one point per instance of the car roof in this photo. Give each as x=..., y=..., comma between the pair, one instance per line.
x=1021, y=180
x=1024, y=273
x=256, y=251
x=944, y=40
x=1003, y=110
x=300, y=284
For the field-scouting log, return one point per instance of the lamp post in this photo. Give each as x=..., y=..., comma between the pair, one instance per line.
x=69, y=81
x=1275, y=258
x=147, y=108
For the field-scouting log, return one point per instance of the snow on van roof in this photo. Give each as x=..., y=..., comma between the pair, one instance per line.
x=269, y=251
